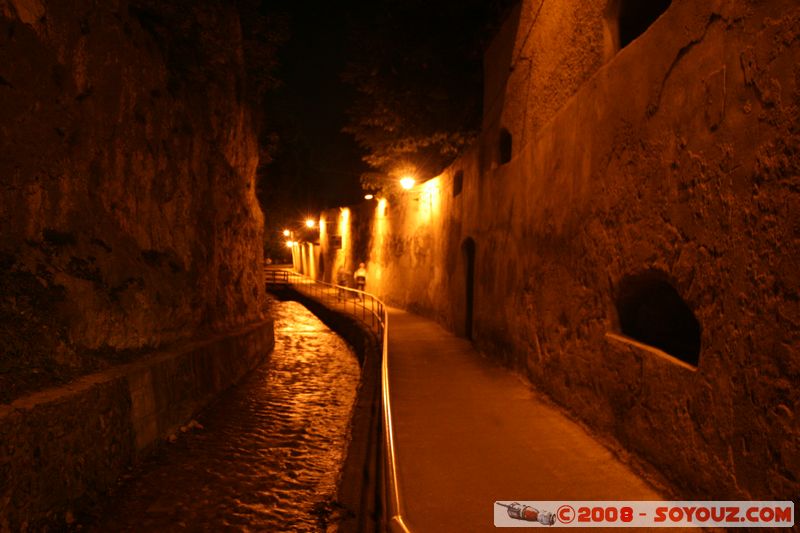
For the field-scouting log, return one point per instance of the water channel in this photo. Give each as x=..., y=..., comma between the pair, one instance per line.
x=269, y=452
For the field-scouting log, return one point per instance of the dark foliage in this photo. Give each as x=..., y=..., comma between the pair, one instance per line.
x=264, y=31
x=417, y=68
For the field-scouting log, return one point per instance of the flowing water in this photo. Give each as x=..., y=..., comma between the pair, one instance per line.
x=270, y=450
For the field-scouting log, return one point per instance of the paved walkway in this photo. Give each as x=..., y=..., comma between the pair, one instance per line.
x=469, y=433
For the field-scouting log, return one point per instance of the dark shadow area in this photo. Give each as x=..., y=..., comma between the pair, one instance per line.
x=651, y=311
x=505, y=146
x=458, y=183
x=468, y=253
x=635, y=16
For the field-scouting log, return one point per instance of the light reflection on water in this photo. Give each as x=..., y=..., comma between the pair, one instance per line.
x=271, y=451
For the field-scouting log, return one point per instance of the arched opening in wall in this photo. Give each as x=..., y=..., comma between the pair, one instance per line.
x=458, y=183
x=635, y=16
x=652, y=312
x=504, y=144
x=468, y=256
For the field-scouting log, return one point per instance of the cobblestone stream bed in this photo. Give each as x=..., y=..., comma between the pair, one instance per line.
x=268, y=454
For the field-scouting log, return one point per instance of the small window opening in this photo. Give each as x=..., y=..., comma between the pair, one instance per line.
x=635, y=16
x=652, y=312
x=505, y=146
x=458, y=183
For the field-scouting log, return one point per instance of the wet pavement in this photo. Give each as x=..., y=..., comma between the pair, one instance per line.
x=469, y=433
x=269, y=452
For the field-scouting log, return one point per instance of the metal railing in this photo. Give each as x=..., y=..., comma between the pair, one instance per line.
x=358, y=304
x=371, y=311
x=276, y=277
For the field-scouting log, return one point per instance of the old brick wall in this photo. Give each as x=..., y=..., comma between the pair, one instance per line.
x=679, y=156
x=127, y=164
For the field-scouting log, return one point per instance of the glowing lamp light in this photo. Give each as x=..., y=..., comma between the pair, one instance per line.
x=286, y=233
x=407, y=182
x=310, y=223
x=289, y=244
x=368, y=197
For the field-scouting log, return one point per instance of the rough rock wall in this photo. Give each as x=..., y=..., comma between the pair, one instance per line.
x=127, y=164
x=680, y=157
x=556, y=47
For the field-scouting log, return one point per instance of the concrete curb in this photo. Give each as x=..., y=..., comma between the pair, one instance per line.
x=62, y=447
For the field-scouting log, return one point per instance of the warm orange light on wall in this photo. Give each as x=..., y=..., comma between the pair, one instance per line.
x=429, y=203
x=344, y=230
x=380, y=240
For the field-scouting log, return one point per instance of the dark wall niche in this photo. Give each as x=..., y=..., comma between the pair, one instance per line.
x=635, y=16
x=652, y=312
x=458, y=183
x=468, y=255
x=505, y=146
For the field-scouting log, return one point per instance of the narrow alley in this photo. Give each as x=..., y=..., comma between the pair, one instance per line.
x=399, y=266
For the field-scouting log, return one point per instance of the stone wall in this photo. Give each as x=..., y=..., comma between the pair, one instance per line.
x=344, y=242
x=555, y=48
x=678, y=160
x=127, y=165
x=61, y=449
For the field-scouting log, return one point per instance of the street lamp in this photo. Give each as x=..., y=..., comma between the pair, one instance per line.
x=310, y=223
x=368, y=197
x=407, y=182
x=286, y=233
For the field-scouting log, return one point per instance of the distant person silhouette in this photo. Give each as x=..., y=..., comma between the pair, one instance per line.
x=361, y=276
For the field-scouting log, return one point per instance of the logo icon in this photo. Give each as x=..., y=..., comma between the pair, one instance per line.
x=527, y=513
x=565, y=514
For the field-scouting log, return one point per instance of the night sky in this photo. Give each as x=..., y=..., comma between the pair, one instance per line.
x=314, y=164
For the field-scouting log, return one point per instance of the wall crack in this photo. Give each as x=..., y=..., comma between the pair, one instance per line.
x=653, y=107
